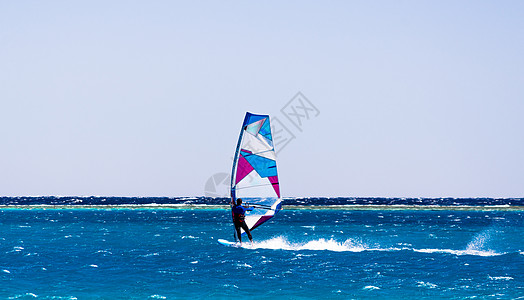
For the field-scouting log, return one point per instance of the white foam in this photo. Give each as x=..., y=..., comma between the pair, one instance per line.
x=371, y=287
x=245, y=265
x=460, y=252
x=501, y=278
x=150, y=254
x=350, y=245
x=426, y=284
x=24, y=296
x=281, y=243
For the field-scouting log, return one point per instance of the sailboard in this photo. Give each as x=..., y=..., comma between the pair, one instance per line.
x=228, y=243
x=254, y=176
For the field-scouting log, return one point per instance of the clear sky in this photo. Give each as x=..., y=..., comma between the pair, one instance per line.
x=146, y=98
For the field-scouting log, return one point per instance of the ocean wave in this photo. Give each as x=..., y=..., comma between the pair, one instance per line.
x=350, y=245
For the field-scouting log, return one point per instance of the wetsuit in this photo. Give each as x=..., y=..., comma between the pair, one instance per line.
x=239, y=214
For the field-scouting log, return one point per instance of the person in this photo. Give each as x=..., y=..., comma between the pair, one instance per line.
x=239, y=215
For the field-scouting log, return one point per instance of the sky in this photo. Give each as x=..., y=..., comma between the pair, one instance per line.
x=146, y=98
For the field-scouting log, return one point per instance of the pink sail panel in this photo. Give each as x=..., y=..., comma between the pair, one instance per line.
x=243, y=168
x=274, y=182
x=260, y=221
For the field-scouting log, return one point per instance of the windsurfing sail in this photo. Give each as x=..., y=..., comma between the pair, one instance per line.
x=254, y=177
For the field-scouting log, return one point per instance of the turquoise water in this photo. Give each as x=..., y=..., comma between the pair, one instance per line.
x=302, y=254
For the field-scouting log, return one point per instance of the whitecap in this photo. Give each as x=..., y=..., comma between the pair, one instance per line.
x=460, y=252
x=150, y=254
x=371, y=287
x=500, y=278
x=309, y=227
x=24, y=296
x=157, y=297
x=426, y=284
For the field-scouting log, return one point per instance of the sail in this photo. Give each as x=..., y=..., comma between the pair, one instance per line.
x=254, y=177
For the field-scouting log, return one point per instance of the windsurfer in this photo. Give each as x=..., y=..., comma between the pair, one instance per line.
x=239, y=214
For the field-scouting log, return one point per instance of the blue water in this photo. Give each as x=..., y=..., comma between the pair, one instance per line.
x=79, y=201
x=299, y=254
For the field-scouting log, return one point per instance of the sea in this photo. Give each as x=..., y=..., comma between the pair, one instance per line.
x=315, y=248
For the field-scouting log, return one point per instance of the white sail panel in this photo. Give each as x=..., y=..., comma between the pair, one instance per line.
x=252, y=180
x=255, y=144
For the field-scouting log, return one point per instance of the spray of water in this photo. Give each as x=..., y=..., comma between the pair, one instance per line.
x=353, y=245
x=480, y=241
x=318, y=244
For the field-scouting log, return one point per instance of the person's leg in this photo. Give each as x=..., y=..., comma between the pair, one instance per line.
x=246, y=229
x=237, y=228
